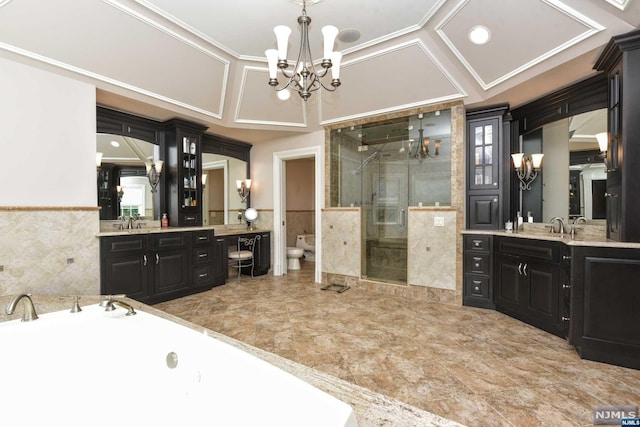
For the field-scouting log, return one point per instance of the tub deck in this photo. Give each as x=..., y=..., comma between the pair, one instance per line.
x=371, y=409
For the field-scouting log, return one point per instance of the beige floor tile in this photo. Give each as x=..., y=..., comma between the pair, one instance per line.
x=478, y=367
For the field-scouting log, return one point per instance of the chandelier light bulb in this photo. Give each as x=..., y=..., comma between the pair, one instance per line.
x=336, y=59
x=282, y=39
x=284, y=94
x=329, y=32
x=272, y=58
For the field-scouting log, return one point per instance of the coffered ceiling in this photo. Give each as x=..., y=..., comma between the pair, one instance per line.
x=204, y=60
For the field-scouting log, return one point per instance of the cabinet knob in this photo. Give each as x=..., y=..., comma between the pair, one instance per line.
x=565, y=318
x=566, y=257
x=476, y=243
x=476, y=288
x=157, y=259
x=565, y=286
x=144, y=259
x=610, y=194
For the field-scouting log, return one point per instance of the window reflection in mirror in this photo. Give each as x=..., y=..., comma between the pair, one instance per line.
x=572, y=142
x=123, y=165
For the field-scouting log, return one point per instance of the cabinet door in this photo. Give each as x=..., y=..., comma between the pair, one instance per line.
x=170, y=272
x=509, y=292
x=484, y=212
x=484, y=154
x=543, y=293
x=125, y=275
x=263, y=254
x=220, y=265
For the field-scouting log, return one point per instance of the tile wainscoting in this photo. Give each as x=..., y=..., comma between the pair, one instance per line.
x=49, y=250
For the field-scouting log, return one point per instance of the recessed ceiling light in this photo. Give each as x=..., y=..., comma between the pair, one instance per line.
x=479, y=34
x=115, y=144
x=349, y=35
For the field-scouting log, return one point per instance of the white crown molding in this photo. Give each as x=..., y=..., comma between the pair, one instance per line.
x=407, y=44
x=620, y=4
x=108, y=80
x=186, y=41
x=593, y=28
x=186, y=27
x=241, y=95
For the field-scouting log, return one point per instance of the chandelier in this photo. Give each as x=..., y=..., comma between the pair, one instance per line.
x=422, y=146
x=305, y=77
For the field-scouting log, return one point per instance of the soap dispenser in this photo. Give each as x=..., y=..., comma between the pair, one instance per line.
x=164, y=222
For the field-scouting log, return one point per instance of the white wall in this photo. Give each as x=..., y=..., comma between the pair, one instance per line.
x=47, y=138
x=262, y=164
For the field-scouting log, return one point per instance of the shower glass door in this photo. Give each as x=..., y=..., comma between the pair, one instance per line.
x=385, y=187
x=384, y=168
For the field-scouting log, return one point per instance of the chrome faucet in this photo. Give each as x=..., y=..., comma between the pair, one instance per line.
x=29, y=309
x=561, y=225
x=574, y=226
x=110, y=303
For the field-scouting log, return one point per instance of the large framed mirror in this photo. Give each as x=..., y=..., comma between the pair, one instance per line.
x=124, y=142
x=563, y=126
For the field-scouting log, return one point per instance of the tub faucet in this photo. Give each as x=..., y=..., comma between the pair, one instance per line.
x=110, y=303
x=29, y=309
x=561, y=225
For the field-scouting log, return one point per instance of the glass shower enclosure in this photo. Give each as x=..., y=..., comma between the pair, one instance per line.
x=384, y=168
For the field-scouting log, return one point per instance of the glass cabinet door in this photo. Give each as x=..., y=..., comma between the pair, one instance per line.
x=190, y=161
x=483, y=153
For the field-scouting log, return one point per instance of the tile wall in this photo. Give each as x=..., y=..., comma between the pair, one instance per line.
x=52, y=251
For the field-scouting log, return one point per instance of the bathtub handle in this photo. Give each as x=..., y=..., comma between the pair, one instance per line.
x=144, y=258
x=157, y=259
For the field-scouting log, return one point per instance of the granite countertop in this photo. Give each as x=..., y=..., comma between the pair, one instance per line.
x=218, y=230
x=371, y=409
x=587, y=236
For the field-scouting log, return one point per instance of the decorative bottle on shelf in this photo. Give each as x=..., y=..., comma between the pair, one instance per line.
x=164, y=222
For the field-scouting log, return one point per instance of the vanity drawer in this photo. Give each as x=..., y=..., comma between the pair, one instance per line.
x=202, y=255
x=202, y=238
x=476, y=286
x=477, y=263
x=192, y=219
x=477, y=243
x=203, y=275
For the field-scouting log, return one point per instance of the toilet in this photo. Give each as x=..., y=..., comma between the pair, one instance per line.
x=308, y=243
x=293, y=258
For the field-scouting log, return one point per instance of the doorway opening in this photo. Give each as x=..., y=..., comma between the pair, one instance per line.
x=315, y=154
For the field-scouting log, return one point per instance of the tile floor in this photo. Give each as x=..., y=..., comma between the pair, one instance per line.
x=478, y=367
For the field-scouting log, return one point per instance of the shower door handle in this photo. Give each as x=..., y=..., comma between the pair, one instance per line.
x=403, y=221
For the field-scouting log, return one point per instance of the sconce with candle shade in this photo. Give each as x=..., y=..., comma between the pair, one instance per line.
x=154, y=170
x=527, y=168
x=244, y=188
x=120, y=192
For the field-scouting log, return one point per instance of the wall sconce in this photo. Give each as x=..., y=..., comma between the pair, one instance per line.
x=244, y=188
x=154, y=170
x=120, y=191
x=204, y=179
x=527, y=168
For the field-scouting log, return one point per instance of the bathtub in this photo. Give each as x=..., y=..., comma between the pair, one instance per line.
x=106, y=369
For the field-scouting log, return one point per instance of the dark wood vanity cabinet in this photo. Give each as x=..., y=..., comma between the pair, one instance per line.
x=605, y=304
x=478, y=271
x=160, y=266
x=487, y=129
x=531, y=282
x=620, y=60
x=184, y=172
